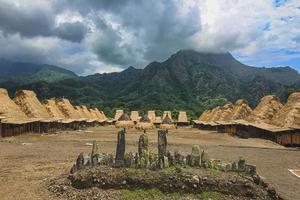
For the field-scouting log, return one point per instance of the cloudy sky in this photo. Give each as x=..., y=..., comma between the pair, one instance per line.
x=89, y=36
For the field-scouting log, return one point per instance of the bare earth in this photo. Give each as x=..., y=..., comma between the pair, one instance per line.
x=28, y=161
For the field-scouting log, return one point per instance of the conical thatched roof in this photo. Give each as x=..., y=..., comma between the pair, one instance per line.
x=118, y=114
x=124, y=121
x=81, y=114
x=167, y=123
x=85, y=111
x=289, y=115
x=167, y=113
x=53, y=110
x=182, y=117
x=205, y=116
x=67, y=109
x=31, y=106
x=167, y=119
x=145, y=118
x=151, y=115
x=241, y=110
x=10, y=110
x=157, y=120
x=145, y=123
x=93, y=113
x=134, y=115
x=100, y=115
x=226, y=112
x=215, y=114
x=266, y=110
x=124, y=117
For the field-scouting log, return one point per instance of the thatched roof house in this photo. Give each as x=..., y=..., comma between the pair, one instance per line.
x=167, y=113
x=54, y=111
x=289, y=115
x=93, y=114
x=267, y=108
x=241, y=110
x=80, y=112
x=11, y=112
x=205, y=115
x=31, y=106
x=215, y=114
x=158, y=120
x=118, y=114
x=167, y=123
x=100, y=115
x=145, y=123
x=182, y=117
x=151, y=115
x=226, y=113
x=67, y=109
x=124, y=121
x=134, y=115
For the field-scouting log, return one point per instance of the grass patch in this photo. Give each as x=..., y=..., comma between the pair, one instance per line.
x=147, y=194
x=210, y=195
x=157, y=194
x=214, y=171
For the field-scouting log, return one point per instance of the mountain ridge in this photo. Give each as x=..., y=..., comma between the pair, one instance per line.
x=187, y=80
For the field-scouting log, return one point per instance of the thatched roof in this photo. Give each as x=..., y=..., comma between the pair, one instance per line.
x=266, y=109
x=145, y=118
x=241, y=110
x=10, y=110
x=135, y=116
x=289, y=115
x=53, y=110
x=205, y=115
x=31, y=106
x=145, y=123
x=226, y=112
x=100, y=114
x=167, y=123
x=157, y=120
x=215, y=114
x=93, y=113
x=118, y=114
x=167, y=113
x=124, y=121
x=124, y=117
x=67, y=109
x=167, y=119
x=182, y=117
x=80, y=112
x=151, y=115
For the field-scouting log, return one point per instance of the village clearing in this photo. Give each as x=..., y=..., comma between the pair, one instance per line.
x=29, y=161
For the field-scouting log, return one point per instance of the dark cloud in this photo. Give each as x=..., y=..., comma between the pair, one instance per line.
x=27, y=22
x=33, y=22
x=74, y=32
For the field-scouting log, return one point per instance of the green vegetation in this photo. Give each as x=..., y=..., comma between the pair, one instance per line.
x=188, y=81
x=153, y=193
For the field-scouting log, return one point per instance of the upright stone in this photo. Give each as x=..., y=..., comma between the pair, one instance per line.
x=241, y=164
x=79, y=163
x=95, y=153
x=143, y=144
x=120, y=154
x=162, y=147
x=195, y=156
x=204, y=158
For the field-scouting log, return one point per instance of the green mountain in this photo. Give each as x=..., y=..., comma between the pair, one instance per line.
x=188, y=80
x=29, y=72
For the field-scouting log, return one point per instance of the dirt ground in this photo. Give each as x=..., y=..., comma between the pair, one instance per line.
x=28, y=161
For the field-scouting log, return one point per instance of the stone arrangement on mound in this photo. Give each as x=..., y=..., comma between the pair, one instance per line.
x=145, y=159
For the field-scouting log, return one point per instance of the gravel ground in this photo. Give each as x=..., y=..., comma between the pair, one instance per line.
x=29, y=161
